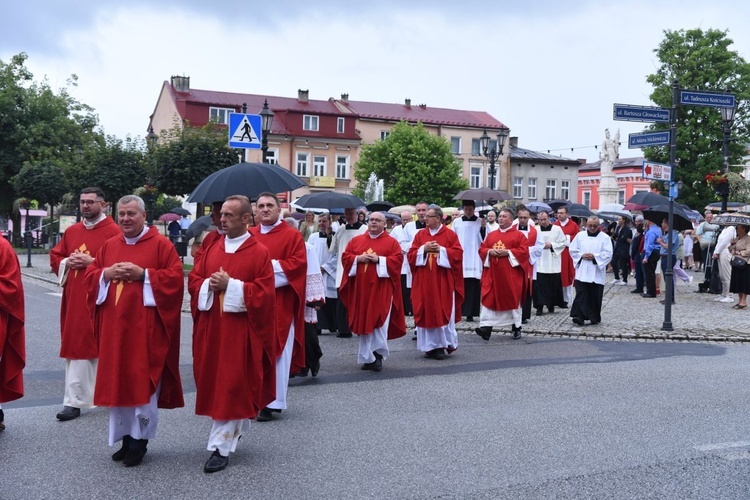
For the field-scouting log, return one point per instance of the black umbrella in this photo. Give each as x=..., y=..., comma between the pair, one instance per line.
x=578, y=210
x=537, y=206
x=249, y=179
x=613, y=215
x=555, y=204
x=645, y=199
x=198, y=226
x=379, y=206
x=181, y=211
x=485, y=194
x=656, y=214
x=329, y=200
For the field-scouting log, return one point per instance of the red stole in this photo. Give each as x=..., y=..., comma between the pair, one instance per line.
x=368, y=298
x=503, y=286
x=12, y=317
x=433, y=286
x=76, y=330
x=138, y=346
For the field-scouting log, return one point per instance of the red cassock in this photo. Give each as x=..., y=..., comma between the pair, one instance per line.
x=433, y=286
x=12, y=335
x=287, y=246
x=234, y=354
x=76, y=330
x=528, y=266
x=504, y=286
x=138, y=346
x=368, y=298
x=568, y=270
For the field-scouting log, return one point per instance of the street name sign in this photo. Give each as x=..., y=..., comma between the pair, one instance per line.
x=695, y=98
x=657, y=171
x=644, y=139
x=630, y=113
x=245, y=131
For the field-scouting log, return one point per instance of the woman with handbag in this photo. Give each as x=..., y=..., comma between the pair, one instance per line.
x=740, y=281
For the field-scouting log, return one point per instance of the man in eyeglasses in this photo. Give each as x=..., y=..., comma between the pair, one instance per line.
x=69, y=260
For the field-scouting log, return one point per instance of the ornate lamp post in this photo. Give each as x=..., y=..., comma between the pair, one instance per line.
x=490, y=153
x=266, y=116
x=727, y=120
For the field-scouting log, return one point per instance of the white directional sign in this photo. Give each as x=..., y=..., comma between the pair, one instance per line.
x=657, y=171
x=696, y=98
x=644, y=139
x=630, y=113
x=245, y=131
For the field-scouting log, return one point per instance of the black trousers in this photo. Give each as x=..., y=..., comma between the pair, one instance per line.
x=588, y=301
x=472, y=290
x=342, y=318
x=621, y=265
x=313, y=353
x=649, y=271
x=406, y=293
x=526, y=309
x=327, y=316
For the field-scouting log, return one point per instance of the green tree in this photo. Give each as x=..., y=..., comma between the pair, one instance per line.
x=43, y=182
x=700, y=60
x=413, y=164
x=183, y=158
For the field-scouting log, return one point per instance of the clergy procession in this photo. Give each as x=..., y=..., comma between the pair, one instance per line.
x=262, y=290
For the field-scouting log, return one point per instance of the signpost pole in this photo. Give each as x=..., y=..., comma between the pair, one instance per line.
x=244, y=112
x=669, y=272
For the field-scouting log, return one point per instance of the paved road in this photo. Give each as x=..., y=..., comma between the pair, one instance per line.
x=542, y=417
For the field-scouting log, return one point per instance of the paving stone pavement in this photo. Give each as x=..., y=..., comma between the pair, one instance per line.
x=625, y=316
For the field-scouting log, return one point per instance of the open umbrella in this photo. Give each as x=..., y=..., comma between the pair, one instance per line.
x=537, y=206
x=645, y=199
x=613, y=215
x=198, y=226
x=181, y=211
x=733, y=219
x=555, y=204
x=578, y=210
x=680, y=221
x=732, y=206
x=249, y=179
x=329, y=200
x=400, y=208
x=169, y=217
x=485, y=194
x=612, y=207
x=379, y=206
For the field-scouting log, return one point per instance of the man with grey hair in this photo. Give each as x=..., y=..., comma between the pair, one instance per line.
x=591, y=252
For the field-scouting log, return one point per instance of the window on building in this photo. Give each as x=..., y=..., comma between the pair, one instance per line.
x=518, y=187
x=565, y=190
x=587, y=199
x=476, y=147
x=551, y=192
x=342, y=167
x=621, y=196
x=384, y=134
x=340, y=123
x=310, y=122
x=219, y=115
x=272, y=157
x=319, y=166
x=475, y=177
x=303, y=162
x=532, y=187
x=456, y=145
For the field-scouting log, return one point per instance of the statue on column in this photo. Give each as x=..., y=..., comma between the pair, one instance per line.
x=610, y=151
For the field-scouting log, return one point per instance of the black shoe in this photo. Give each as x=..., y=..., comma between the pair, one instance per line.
x=551, y=309
x=484, y=332
x=344, y=335
x=216, y=463
x=648, y=296
x=665, y=301
x=68, y=413
x=368, y=366
x=415, y=335
x=2, y=420
x=265, y=415
x=436, y=354
x=578, y=321
x=637, y=291
x=524, y=321
x=378, y=364
x=516, y=332
x=595, y=322
x=540, y=312
x=135, y=453
x=120, y=454
x=564, y=305
x=303, y=372
x=314, y=369
x=470, y=318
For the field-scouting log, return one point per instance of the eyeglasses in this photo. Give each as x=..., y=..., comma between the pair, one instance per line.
x=432, y=216
x=89, y=202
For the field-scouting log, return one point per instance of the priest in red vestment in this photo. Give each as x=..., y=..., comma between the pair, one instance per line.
x=135, y=290
x=69, y=260
x=371, y=291
x=435, y=258
x=504, y=254
x=289, y=259
x=12, y=339
x=568, y=271
x=234, y=343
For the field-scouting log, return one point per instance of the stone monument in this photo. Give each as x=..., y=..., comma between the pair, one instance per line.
x=610, y=152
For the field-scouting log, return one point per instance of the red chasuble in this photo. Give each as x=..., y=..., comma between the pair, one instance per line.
x=287, y=246
x=568, y=270
x=234, y=354
x=76, y=330
x=433, y=286
x=368, y=298
x=138, y=345
x=12, y=340
x=504, y=286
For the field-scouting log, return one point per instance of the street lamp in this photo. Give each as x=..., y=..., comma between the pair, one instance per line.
x=151, y=137
x=492, y=154
x=266, y=115
x=727, y=120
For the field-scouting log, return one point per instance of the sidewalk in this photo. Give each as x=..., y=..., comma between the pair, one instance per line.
x=625, y=315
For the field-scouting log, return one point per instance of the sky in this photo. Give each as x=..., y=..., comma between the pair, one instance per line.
x=549, y=70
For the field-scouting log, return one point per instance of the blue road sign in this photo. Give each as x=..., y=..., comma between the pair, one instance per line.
x=644, y=139
x=245, y=131
x=695, y=98
x=630, y=113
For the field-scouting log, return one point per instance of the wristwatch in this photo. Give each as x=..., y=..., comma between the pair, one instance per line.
x=143, y=276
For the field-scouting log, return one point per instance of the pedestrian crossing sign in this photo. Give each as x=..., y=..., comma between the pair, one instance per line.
x=245, y=131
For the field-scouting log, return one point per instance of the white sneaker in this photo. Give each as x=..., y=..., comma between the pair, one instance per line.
x=719, y=298
x=727, y=299
x=690, y=280
x=623, y=283
x=614, y=282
